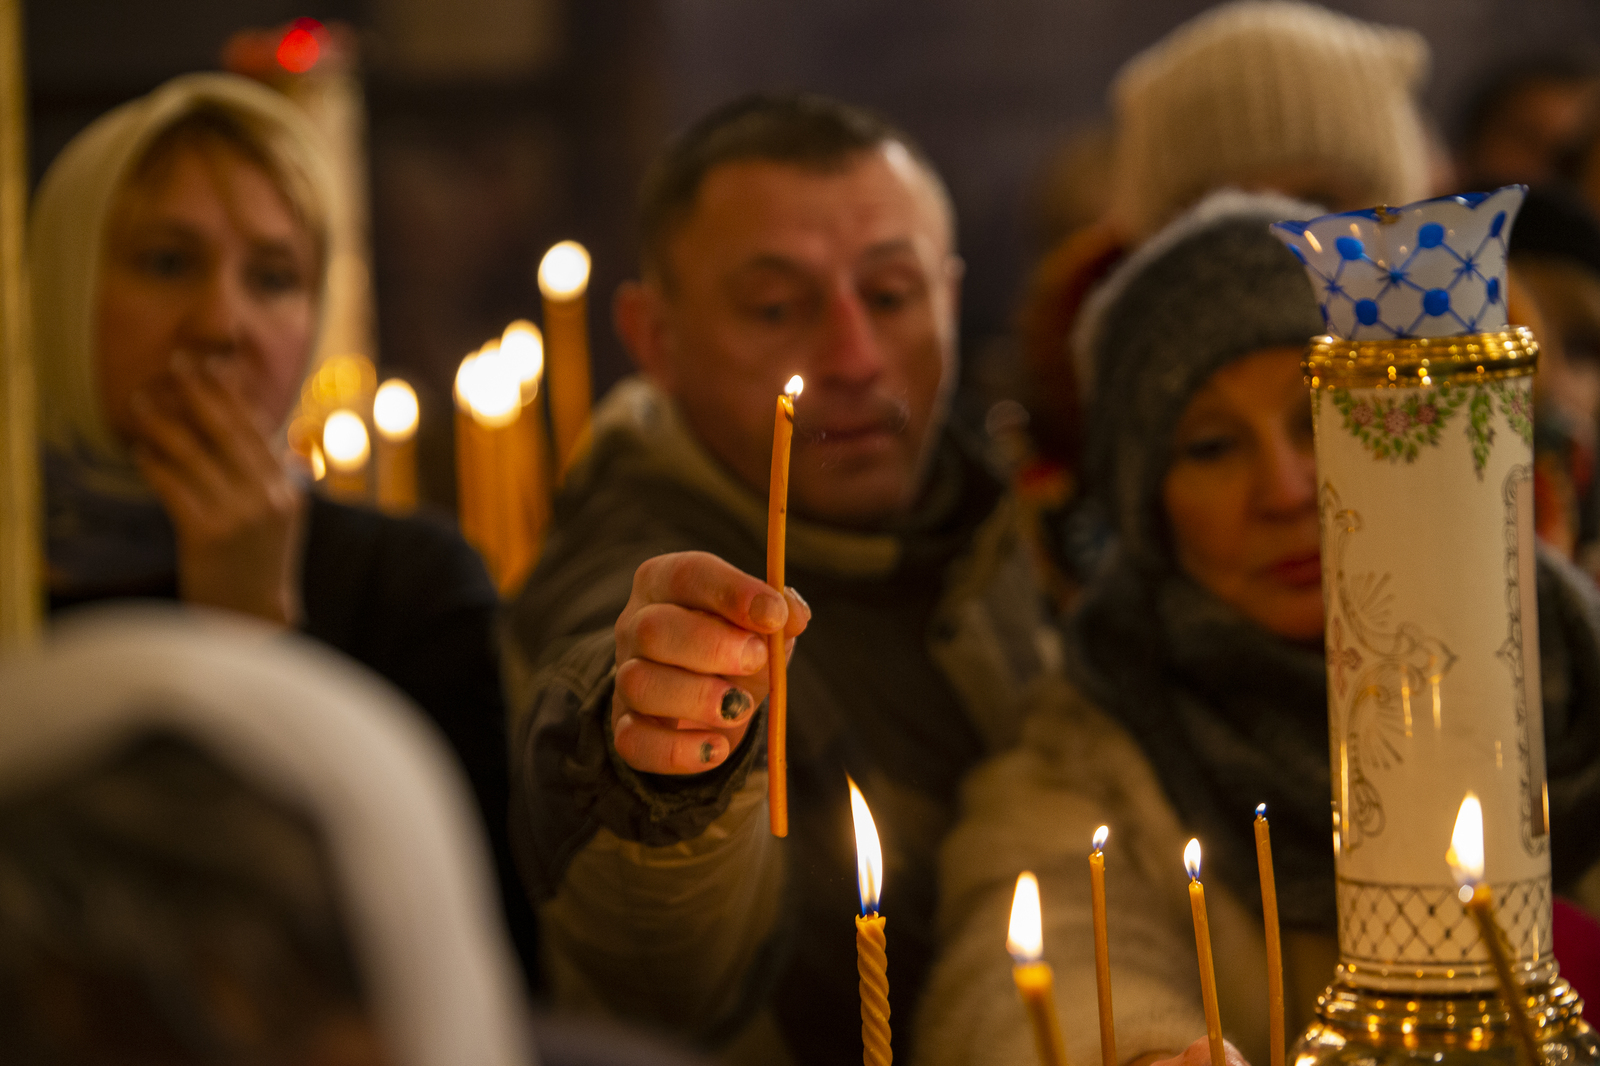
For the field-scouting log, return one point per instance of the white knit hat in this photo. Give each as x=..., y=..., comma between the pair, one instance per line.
x=1258, y=88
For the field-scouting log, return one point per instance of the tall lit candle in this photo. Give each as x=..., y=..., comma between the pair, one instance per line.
x=1269, y=919
x=395, y=415
x=347, y=447
x=872, y=945
x=522, y=346
x=1202, y=945
x=1466, y=864
x=490, y=395
x=564, y=281
x=1102, y=947
x=777, y=664
x=1035, y=981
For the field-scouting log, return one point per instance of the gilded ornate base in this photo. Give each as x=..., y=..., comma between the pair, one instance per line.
x=1358, y=1027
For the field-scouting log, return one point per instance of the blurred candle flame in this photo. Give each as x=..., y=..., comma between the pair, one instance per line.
x=394, y=410
x=1466, y=843
x=344, y=440
x=488, y=387
x=564, y=271
x=1261, y=810
x=869, y=853
x=1191, y=858
x=1101, y=835
x=522, y=346
x=1025, y=940
x=795, y=387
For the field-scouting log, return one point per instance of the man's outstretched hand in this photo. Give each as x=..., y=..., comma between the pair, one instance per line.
x=692, y=661
x=1196, y=1054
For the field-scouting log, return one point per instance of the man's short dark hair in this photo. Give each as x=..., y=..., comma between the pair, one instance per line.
x=799, y=129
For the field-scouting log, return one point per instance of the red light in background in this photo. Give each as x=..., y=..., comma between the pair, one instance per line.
x=301, y=46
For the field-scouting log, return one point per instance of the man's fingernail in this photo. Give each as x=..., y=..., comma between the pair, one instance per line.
x=802, y=600
x=707, y=750
x=767, y=610
x=735, y=702
x=754, y=656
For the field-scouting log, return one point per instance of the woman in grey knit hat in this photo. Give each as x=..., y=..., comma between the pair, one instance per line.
x=1196, y=686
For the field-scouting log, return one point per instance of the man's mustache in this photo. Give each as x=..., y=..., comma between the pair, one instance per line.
x=891, y=414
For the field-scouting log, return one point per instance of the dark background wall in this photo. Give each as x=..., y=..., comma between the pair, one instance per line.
x=500, y=126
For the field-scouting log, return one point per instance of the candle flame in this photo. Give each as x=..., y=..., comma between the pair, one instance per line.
x=1191, y=858
x=487, y=386
x=1101, y=835
x=1261, y=810
x=344, y=441
x=319, y=465
x=564, y=271
x=395, y=411
x=522, y=346
x=1466, y=843
x=869, y=853
x=1025, y=939
x=796, y=385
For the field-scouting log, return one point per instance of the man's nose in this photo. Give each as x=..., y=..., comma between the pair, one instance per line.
x=851, y=352
x=215, y=321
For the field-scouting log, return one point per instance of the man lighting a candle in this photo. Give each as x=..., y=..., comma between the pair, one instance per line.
x=781, y=236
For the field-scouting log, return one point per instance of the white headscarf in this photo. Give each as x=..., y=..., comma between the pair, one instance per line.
x=336, y=742
x=67, y=233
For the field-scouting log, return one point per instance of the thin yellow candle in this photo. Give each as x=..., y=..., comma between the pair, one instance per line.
x=1269, y=918
x=347, y=447
x=1466, y=863
x=492, y=520
x=1035, y=981
x=872, y=944
x=395, y=414
x=470, y=508
x=1102, y=948
x=522, y=346
x=777, y=659
x=1202, y=945
x=564, y=281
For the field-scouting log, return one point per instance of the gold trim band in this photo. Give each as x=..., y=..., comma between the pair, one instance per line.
x=1420, y=362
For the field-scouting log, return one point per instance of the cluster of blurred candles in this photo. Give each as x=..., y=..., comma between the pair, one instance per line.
x=1035, y=980
x=507, y=461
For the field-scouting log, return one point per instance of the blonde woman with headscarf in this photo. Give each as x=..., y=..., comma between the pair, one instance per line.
x=178, y=250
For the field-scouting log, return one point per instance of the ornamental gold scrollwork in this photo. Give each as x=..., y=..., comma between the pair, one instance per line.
x=1381, y=677
x=1522, y=614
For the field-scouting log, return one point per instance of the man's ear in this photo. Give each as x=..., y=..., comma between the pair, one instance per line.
x=639, y=312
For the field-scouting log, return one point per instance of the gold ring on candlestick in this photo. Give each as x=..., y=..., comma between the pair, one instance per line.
x=1372, y=1028
x=1420, y=362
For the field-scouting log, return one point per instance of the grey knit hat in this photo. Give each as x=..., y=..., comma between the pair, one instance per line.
x=1212, y=287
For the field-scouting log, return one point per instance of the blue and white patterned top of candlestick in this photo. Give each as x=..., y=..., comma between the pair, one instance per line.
x=1435, y=268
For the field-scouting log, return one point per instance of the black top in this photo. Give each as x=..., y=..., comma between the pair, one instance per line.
x=409, y=599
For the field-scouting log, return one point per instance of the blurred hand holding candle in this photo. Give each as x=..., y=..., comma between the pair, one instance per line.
x=1202, y=944
x=395, y=414
x=1035, y=982
x=564, y=281
x=1102, y=949
x=777, y=659
x=1466, y=866
x=872, y=946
